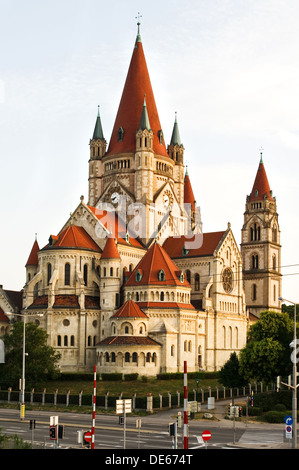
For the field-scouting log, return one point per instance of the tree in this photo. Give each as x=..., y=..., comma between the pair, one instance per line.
x=267, y=353
x=229, y=375
x=40, y=361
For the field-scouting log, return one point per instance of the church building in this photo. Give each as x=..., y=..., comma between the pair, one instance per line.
x=130, y=283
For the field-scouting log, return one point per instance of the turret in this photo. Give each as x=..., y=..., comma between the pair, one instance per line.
x=97, y=151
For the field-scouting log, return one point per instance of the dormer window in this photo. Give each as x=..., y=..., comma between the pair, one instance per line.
x=161, y=275
x=182, y=277
x=160, y=135
x=120, y=134
x=138, y=276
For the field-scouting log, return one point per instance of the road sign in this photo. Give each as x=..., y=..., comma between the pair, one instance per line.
x=289, y=432
x=206, y=435
x=123, y=406
x=87, y=436
x=288, y=420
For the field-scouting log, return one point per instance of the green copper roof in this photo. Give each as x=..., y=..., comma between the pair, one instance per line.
x=144, y=120
x=175, y=138
x=98, y=131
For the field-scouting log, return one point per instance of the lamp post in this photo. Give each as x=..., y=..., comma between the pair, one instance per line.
x=22, y=408
x=293, y=345
x=10, y=314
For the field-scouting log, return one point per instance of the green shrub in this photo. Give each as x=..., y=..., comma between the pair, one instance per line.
x=113, y=376
x=274, y=417
x=253, y=411
x=130, y=377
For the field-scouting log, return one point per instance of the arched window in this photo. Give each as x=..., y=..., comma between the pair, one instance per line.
x=72, y=340
x=188, y=276
x=85, y=273
x=197, y=281
x=49, y=273
x=161, y=275
x=58, y=340
x=255, y=232
x=134, y=357
x=126, y=330
x=253, y=291
x=67, y=274
x=162, y=296
x=255, y=261
x=65, y=341
x=113, y=357
x=127, y=357
x=274, y=234
x=106, y=357
x=274, y=262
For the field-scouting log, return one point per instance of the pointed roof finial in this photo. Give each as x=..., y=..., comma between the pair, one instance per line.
x=175, y=138
x=138, y=39
x=98, y=130
x=144, y=120
x=261, y=153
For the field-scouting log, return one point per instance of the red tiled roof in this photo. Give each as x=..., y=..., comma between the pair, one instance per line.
x=92, y=302
x=33, y=258
x=129, y=309
x=162, y=305
x=174, y=246
x=188, y=193
x=113, y=224
x=261, y=185
x=155, y=260
x=74, y=237
x=40, y=302
x=3, y=317
x=137, y=86
x=128, y=340
x=66, y=301
x=110, y=249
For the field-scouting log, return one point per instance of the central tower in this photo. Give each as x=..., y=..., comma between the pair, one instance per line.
x=141, y=179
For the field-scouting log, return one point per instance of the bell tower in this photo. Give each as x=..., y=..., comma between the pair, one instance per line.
x=260, y=247
x=97, y=150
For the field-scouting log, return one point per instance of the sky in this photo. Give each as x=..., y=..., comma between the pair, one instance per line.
x=228, y=68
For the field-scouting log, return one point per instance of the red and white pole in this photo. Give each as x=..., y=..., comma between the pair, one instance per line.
x=185, y=407
x=94, y=406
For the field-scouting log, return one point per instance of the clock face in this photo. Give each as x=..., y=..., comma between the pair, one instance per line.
x=166, y=200
x=115, y=198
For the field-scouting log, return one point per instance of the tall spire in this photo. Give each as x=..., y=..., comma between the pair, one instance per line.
x=98, y=131
x=127, y=120
x=144, y=120
x=175, y=138
x=261, y=187
x=138, y=38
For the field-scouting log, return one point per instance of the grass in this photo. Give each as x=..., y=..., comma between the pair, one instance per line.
x=153, y=386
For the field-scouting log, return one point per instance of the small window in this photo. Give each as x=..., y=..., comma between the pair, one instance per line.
x=67, y=274
x=161, y=275
x=138, y=276
x=85, y=273
x=120, y=134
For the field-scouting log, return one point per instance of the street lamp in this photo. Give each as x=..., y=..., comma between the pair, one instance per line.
x=293, y=345
x=10, y=314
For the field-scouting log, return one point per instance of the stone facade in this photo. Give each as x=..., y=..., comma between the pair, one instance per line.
x=130, y=283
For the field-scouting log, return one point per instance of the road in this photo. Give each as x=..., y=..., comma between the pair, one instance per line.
x=154, y=434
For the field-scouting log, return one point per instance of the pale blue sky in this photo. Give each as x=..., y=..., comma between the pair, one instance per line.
x=229, y=68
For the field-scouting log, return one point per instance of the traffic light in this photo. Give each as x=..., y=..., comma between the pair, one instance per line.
x=60, y=431
x=171, y=429
x=53, y=433
x=240, y=411
x=32, y=424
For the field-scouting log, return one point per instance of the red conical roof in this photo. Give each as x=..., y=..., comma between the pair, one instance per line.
x=137, y=87
x=188, y=192
x=129, y=309
x=33, y=257
x=110, y=249
x=73, y=237
x=261, y=185
x=149, y=267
